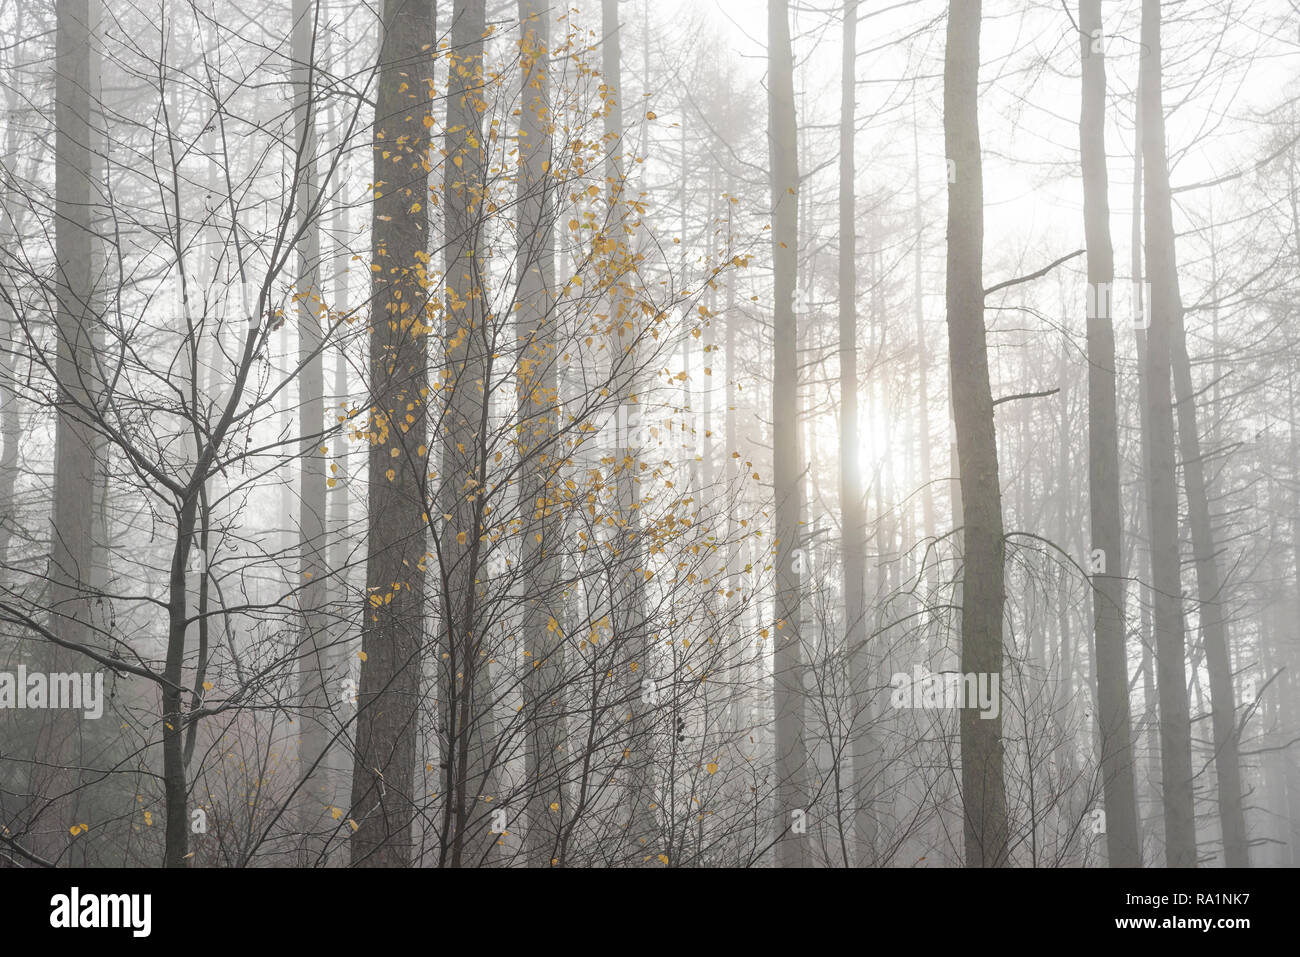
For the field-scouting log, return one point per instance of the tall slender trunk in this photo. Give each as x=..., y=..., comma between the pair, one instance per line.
x=468, y=344
x=1123, y=845
x=1162, y=500
x=983, y=791
x=538, y=397
x=1209, y=593
x=340, y=534
x=313, y=795
x=71, y=546
x=627, y=589
x=852, y=498
x=1150, y=719
x=788, y=471
x=1289, y=694
x=10, y=337
x=392, y=630
x=922, y=354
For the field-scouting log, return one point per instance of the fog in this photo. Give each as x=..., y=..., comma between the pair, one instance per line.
x=438, y=433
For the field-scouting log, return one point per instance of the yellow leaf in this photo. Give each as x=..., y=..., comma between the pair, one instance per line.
x=207, y=686
x=362, y=655
x=663, y=858
x=711, y=767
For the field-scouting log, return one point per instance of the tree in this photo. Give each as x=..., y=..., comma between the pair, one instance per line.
x=538, y=391
x=983, y=792
x=852, y=496
x=788, y=469
x=392, y=631
x=71, y=546
x=468, y=353
x=1122, y=841
x=312, y=542
x=1162, y=489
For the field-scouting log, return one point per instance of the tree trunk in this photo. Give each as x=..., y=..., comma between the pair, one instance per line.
x=852, y=496
x=10, y=330
x=983, y=793
x=627, y=589
x=925, y=473
x=468, y=345
x=1123, y=846
x=538, y=396
x=313, y=795
x=788, y=471
x=1162, y=489
x=1209, y=593
x=71, y=546
x=392, y=630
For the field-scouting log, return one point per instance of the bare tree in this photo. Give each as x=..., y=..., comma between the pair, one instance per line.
x=983, y=792
x=392, y=631
x=1123, y=845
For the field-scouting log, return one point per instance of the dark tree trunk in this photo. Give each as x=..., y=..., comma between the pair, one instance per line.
x=468, y=351
x=983, y=793
x=1123, y=845
x=1162, y=488
x=71, y=546
x=537, y=371
x=392, y=630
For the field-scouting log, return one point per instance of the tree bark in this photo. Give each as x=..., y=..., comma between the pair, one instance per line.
x=392, y=629
x=468, y=352
x=71, y=545
x=1123, y=846
x=1209, y=594
x=313, y=795
x=852, y=496
x=788, y=472
x=537, y=371
x=1162, y=489
x=983, y=792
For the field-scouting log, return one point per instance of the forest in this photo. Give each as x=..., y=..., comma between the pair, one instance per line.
x=649, y=434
